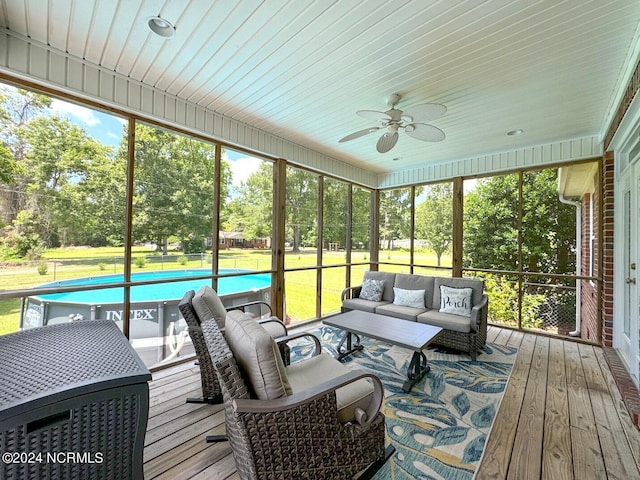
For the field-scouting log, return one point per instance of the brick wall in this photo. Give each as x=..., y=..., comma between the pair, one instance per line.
x=589, y=292
x=607, y=250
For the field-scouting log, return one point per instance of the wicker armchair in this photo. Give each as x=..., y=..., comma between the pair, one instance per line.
x=313, y=433
x=210, y=387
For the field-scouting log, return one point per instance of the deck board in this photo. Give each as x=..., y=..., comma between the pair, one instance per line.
x=527, y=446
x=557, y=458
x=617, y=456
x=561, y=417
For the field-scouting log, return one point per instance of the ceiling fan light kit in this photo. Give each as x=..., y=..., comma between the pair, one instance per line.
x=412, y=121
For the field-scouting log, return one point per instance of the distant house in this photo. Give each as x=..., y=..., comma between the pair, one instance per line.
x=227, y=240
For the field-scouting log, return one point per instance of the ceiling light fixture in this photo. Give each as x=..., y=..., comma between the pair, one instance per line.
x=517, y=131
x=162, y=27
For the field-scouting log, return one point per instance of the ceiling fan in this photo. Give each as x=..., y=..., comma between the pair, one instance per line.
x=412, y=120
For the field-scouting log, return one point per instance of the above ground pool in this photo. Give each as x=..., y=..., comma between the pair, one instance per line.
x=154, y=308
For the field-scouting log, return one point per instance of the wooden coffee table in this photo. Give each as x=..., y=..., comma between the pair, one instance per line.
x=403, y=333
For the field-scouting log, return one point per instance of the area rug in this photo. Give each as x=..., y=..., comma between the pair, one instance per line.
x=440, y=428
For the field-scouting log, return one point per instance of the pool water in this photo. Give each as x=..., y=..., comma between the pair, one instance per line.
x=156, y=292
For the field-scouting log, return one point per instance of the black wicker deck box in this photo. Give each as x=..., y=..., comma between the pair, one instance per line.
x=74, y=402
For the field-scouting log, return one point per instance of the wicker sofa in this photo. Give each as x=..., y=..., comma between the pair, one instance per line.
x=461, y=311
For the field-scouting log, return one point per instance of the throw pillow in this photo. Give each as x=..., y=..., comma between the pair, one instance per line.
x=372, y=289
x=408, y=298
x=455, y=300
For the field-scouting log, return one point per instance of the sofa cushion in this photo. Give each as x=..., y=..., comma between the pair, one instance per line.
x=361, y=304
x=321, y=368
x=475, y=284
x=408, y=298
x=387, y=278
x=456, y=301
x=417, y=282
x=372, y=289
x=208, y=305
x=257, y=355
x=399, y=311
x=447, y=321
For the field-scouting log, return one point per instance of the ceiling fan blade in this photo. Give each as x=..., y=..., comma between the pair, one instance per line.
x=374, y=115
x=358, y=134
x=425, y=132
x=423, y=112
x=386, y=142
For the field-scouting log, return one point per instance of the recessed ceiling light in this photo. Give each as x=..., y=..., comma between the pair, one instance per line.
x=162, y=27
x=517, y=131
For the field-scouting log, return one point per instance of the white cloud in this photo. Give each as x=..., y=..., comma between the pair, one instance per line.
x=85, y=115
x=242, y=168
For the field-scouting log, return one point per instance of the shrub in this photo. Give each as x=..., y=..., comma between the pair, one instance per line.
x=182, y=260
x=503, y=302
x=102, y=266
x=192, y=245
x=140, y=262
x=43, y=268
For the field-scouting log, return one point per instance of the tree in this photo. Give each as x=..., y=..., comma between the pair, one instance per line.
x=434, y=219
x=302, y=201
x=154, y=177
x=59, y=158
x=8, y=166
x=361, y=218
x=173, y=194
x=17, y=108
x=251, y=210
x=334, y=228
x=395, y=215
x=491, y=225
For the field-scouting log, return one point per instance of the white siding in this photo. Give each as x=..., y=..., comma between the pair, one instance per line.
x=541, y=155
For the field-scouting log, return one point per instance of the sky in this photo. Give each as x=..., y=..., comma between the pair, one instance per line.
x=105, y=128
x=108, y=129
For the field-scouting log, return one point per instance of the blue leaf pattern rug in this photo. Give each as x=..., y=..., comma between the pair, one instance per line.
x=440, y=428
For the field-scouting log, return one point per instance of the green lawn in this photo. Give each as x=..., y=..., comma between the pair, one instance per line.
x=300, y=285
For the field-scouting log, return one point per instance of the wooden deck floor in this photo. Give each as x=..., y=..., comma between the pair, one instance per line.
x=561, y=418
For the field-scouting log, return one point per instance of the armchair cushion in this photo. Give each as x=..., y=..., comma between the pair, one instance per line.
x=257, y=355
x=208, y=305
x=273, y=325
x=313, y=371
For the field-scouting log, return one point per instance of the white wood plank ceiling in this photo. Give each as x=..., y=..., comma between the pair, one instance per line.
x=301, y=69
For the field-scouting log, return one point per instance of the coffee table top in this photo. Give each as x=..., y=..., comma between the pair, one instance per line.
x=403, y=333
